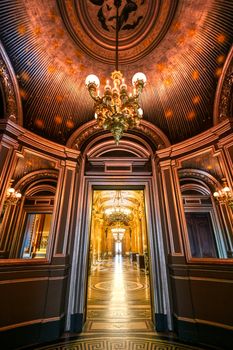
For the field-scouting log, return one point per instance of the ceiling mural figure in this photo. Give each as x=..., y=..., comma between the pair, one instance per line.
x=128, y=17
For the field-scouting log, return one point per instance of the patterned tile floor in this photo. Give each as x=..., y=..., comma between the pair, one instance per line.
x=118, y=298
x=118, y=313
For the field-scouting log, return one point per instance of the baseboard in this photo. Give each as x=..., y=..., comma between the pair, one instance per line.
x=31, y=334
x=161, y=322
x=76, y=323
x=186, y=331
x=206, y=334
x=218, y=336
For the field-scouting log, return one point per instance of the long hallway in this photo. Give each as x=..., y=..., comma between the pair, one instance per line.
x=118, y=312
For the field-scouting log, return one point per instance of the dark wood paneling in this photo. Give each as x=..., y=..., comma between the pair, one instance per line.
x=31, y=294
x=212, y=300
x=203, y=293
x=172, y=212
x=23, y=301
x=182, y=301
x=64, y=214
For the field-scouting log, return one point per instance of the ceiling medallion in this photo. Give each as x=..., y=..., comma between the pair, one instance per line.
x=117, y=110
x=91, y=25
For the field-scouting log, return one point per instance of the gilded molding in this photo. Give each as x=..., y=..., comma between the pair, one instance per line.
x=223, y=105
x=202, y=175
x=156, y=136
x=24, y=182
x=13, y=106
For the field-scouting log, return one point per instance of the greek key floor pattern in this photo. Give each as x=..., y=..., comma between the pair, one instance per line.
x=119, y=343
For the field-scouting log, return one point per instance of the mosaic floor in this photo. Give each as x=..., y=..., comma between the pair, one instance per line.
x=118, y=312
x=118, y=298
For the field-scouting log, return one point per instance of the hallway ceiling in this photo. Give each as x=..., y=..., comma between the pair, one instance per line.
x=53, y=45
x=132, y=200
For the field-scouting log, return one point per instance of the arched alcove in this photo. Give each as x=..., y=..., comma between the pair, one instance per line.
x=37, y=189
x=205, y=234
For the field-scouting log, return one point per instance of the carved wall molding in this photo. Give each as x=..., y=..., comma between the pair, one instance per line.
x=145, y=128
x=217, y=135
x=35, y=142
x=154, y=134
x=11, y=95
x=198, y=187
x=29, y=180
x=223, y=104
x=35, y=190
x=98, y=149
x=209, y=180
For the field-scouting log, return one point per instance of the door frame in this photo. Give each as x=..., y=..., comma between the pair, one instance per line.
x=160, y=298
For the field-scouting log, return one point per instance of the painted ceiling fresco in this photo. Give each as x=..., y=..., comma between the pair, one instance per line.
x=53, y=45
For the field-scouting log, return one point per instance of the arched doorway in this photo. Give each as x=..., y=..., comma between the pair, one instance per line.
x=129, y=166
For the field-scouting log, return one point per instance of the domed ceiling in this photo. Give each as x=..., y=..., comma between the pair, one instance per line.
x=180, y=45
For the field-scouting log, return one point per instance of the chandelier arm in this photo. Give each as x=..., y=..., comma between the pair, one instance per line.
x=93, y=96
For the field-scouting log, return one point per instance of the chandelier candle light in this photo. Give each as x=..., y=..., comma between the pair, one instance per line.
x=117, y=110
x=224, y=195
x=12, y=196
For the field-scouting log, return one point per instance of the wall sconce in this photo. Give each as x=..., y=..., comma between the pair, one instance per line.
x=224, y=195
x=12, y=196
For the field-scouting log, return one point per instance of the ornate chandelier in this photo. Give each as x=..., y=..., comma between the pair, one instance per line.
x=117, y=110
x=118, y=212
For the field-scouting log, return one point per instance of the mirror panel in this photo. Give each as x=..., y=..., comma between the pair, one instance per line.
x=26, y=219
x=36, y=235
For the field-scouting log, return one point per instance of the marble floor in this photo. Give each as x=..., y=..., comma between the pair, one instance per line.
x=118, y=297
x=118, y=312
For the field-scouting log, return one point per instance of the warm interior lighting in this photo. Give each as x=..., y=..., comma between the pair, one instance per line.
x=118, y=233
x=92, y=79
x=226, y=189
x=224, y=195
x=118, y=109
x=112, y=210
x=12, y=195
x=118, y=209
x=118, y=230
